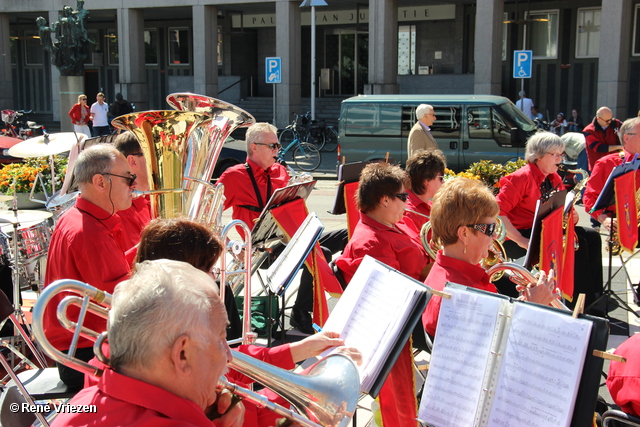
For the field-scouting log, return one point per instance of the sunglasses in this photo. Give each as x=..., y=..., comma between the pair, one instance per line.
x=83, y=99
x=131, y=178
x=273, y=146
x=487, y=229
x=606, y=121
x=402, y=196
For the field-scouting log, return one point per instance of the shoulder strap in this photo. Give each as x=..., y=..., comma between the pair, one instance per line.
x=255, y=186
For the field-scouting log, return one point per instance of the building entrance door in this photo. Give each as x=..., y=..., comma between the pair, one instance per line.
x=347, y=56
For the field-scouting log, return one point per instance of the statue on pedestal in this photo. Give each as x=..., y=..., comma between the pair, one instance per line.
x=72, y=45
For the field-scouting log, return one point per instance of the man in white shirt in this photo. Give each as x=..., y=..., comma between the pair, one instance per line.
x=524, y=104
x=99, y=111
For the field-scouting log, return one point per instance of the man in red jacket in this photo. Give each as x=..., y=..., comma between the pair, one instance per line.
x=601, y=136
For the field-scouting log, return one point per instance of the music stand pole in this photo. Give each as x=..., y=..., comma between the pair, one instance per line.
x=608, y=293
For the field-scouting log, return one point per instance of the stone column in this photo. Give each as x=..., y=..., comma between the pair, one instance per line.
x=613, y=65
x=383, y=47
x=69, y=89
x=205, y=58
x=488, y=47
x=288, y=35
x=6, y=83
x=132, y=71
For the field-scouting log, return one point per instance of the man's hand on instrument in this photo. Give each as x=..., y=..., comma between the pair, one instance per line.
x=232, y=412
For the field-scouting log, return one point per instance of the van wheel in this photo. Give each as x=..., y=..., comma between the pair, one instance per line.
x=222, y=166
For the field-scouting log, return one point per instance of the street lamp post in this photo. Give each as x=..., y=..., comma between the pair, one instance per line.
x=313, y=4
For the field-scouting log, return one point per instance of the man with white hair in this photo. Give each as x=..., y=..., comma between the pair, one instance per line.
x=525, y=105
x=168, y=349
x=87, y=244
x=420, y=137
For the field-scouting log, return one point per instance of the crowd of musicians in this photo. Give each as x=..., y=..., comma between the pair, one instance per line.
x=168, y=328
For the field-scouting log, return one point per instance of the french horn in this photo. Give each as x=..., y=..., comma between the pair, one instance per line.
x=327, y=395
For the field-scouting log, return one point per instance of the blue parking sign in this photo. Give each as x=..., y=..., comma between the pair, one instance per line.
x=522, y=62
x=273, y=70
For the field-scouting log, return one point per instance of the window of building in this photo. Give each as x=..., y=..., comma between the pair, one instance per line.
x=588, y=33
x=93, y=36
x=178, y=46
x=13, y=47
x=112, y=47
x=636, y=32
x=406, y=50
x=544, y=34
x=505, y=26
x=34, y=52
x=219, y=47
x=151, y=46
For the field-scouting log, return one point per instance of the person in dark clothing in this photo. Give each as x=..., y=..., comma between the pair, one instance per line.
x=120, y=107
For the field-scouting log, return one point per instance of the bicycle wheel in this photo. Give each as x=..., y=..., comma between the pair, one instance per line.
x=307, y=156
x=330, y=139
x=316, y=138
x=286, y=137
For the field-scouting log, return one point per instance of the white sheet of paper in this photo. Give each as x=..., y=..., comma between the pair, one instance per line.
x=460, y=355
x=370, y=314
x=541, y=370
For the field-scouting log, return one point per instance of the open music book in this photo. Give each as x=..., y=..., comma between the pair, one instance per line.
x=376, y=314
x=503, y=362
x=283, y=270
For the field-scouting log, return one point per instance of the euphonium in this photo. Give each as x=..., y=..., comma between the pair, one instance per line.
x=326, y=395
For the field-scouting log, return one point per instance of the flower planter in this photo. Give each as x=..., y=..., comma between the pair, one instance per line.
x=25, y=203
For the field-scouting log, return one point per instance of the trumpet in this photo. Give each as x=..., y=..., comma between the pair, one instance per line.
x=327, y=395
x=521, y=276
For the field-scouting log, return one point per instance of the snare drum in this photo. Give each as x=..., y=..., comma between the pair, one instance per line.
x=33, y=241
x=58, y=204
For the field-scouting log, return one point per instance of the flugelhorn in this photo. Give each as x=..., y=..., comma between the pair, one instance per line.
x=327, y=395
x=521, y=276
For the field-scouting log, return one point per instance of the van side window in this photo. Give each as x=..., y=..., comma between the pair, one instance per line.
x=447, y=124
x=501, y=128
x=373, y=120
x=479, y=119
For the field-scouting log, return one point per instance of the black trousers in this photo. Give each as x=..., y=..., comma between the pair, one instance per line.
x=72, y=378
x=587, y=265
x=331, y=242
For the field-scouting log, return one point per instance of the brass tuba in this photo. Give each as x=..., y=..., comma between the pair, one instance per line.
x=326, y=395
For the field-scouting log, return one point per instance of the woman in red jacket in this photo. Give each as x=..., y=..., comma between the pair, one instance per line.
x=79, y=114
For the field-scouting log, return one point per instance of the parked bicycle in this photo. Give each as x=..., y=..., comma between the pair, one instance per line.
x=306, y=156
x=314, y=132
x=17, y=124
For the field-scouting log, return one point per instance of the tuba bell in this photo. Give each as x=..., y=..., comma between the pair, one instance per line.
x=327, y=395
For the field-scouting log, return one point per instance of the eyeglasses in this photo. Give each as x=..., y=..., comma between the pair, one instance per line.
x=402, y=196
x=137, y=154
x=273, y=146
x=83, y=99
x=554, y=154
x=487, y=229
x=606, y=121
x=131, y=178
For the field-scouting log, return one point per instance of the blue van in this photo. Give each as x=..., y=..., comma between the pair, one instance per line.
x=468, y=128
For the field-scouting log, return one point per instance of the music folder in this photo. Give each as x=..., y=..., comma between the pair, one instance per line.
x=543, y=208
x=607, y=196
x=497, y=361
x=376, y=314
x=284, y=268
x=266, y=226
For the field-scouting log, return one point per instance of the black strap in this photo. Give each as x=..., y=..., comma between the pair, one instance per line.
x=257, y=190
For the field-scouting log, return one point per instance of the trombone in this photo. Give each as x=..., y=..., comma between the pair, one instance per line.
x=327, y=395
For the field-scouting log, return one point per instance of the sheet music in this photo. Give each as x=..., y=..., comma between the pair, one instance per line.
x=541, y=369
x=371, y=313
x=282, y=271
x=460, y=356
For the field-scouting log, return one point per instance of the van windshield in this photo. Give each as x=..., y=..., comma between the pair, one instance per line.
x=523, y=121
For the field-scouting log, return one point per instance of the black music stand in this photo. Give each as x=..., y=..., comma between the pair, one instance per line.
x=605, y=201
